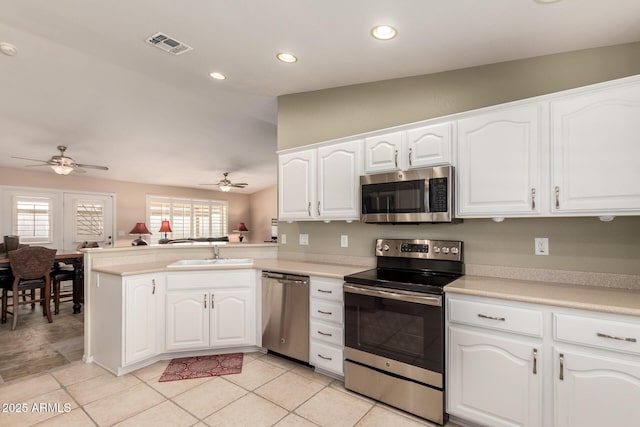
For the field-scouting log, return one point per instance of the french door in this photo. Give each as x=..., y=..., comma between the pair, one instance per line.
x=87, y=218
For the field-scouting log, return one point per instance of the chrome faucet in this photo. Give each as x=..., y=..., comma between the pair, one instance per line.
x=216, y=252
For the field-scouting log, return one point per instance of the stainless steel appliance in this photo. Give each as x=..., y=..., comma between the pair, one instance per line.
x=285, y=314
x=418, y=195
x=394, y=324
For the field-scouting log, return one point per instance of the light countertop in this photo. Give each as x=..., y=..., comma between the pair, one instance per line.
x=335, y=271
x=596, y=298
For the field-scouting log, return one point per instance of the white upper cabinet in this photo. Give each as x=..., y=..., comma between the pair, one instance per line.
x=339, y=170
x=429, y=145
x=595, y=149
x=321, y=183
x=296, y=184
x=416, y=147
x=499, y=162
x=383, y=153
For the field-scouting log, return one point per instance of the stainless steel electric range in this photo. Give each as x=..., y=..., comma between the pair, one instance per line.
x=394, y=324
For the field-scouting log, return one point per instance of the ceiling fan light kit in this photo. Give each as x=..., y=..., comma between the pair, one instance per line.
x=63, y=165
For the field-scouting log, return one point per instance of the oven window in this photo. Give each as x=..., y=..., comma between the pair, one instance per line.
x=394, y=197
x=408, y=332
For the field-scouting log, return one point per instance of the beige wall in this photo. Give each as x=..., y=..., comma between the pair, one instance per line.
x=130, y=197
x=583, y=244
x=264, y=206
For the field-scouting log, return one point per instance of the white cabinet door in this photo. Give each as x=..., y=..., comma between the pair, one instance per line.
x=187, y=320
x=499, y=169
x=595, y=390
x=383, y=153
x=429, y=145
x=142, y=316
x=232, y=317
x=595, y=151
x=296, y=185
x=494, y=380
x=339, y=170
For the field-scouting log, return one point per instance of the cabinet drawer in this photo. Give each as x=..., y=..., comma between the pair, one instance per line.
x=331, y=334
x=327, y=311
x=495, y=316
x=326, y=357
x=326, y=289
x=601, y=333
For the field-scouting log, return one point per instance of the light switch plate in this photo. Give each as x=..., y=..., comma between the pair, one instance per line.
x=304, y=239
x=283, y=239
x=344, y=241
x=542, y=246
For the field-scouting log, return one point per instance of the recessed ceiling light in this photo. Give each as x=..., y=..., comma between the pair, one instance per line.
x=8, y=49
x=286, y=57
x=217, y=76
x=383, y=32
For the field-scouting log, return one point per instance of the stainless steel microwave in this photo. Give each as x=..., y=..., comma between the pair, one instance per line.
x=411, y=196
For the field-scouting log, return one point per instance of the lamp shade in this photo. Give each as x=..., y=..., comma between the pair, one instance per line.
x=140, y=228
x=242, y=227
x=165, y=227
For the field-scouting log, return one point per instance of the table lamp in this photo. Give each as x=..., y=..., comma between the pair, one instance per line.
x=139, y=229
x=241, y=227
x=165, y=228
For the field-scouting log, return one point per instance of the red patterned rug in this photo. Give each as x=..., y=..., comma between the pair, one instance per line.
x=185, y=368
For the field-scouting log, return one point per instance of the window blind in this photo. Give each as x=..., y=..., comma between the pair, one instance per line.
x=33, y=219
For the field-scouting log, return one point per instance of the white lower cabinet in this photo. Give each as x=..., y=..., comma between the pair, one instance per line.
x=126, y=319
x=213, y=309
x=582, y=370
x=494, y=378
x=326, y=325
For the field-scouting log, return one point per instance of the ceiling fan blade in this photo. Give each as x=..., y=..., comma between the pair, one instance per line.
x=239, y=185
x=46, y=162
x=37, y=166
x=104, y=168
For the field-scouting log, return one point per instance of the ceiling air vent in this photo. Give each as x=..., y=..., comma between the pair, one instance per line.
x=168, y=44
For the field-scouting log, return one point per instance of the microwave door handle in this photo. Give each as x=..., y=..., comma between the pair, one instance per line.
x=427, y=190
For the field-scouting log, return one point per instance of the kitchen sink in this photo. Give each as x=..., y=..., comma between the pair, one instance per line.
x=206, y=262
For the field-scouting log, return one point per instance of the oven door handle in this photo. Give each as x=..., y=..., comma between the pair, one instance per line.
x=396, y=294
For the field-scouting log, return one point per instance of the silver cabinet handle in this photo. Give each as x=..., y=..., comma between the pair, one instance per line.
x=533, y=199
x=561, y=367
x=325, y=312
x=325, y=334
x=318, y=208
x=325, y=292
x=395, y=158
x=205, y=301
x=325, y=357
x=613, y=337
x=153, y=291
x=557, y=197
x=484, y=316
x=309, y=209
x=535, y=361
x=410, y=153
x=212, y=302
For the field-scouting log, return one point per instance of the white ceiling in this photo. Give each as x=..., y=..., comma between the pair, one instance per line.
x=84, y=76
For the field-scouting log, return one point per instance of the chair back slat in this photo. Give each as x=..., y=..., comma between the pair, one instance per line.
x=31, y=262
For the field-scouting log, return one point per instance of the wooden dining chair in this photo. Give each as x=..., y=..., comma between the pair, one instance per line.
x=61, y=273
x=31, y=268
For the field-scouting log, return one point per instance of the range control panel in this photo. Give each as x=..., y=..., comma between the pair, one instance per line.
x=416, y=248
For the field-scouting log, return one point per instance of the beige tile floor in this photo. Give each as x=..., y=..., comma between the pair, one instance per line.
x=54, y=388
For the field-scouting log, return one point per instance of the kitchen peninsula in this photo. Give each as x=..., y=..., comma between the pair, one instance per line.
x=140, y=310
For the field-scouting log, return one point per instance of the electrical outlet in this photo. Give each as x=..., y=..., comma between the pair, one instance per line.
x=120, y=233
x=344, y=241
x=541, y=246
x=283, y=239
x=304, y=239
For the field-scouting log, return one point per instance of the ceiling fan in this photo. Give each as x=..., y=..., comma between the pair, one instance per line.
x=63, y=165
x=225, y=185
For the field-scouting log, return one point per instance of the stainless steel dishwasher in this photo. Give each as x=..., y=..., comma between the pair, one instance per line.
x=285, y=314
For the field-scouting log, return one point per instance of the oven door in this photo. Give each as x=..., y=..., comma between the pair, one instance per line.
x=400, y=325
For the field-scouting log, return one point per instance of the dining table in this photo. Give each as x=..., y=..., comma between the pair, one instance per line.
x=68, y=257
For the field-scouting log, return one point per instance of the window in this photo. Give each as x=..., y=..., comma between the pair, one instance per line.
x=189, y=218
x=88, y=220
x=33, y=218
